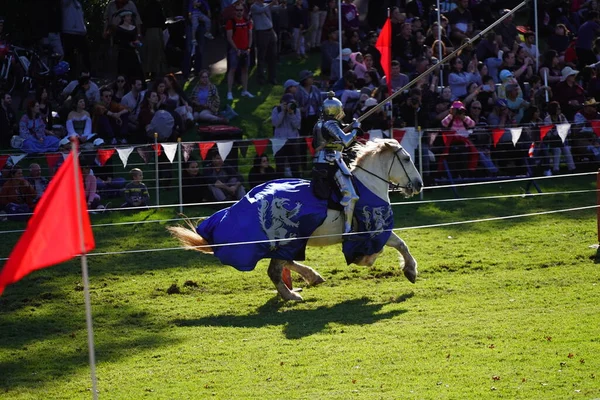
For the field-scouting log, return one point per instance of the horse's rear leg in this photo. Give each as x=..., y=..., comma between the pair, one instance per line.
x=311, y=276
x=410, y=264
x=274, y=271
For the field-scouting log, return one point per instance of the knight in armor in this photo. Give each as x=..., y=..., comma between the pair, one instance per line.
x=329, y=140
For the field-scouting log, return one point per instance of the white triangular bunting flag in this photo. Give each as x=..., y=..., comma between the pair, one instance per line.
x=124, y=155
x=277, y=144
x=224, y=149
x=15, y=159
x=563, y=130
x=170, y=150
x=516, y=134
x=375, y=134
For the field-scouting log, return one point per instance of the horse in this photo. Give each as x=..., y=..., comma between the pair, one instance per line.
x=378, y=164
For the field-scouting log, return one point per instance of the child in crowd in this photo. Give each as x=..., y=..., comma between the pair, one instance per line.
x=200, y=12
x=136, y=192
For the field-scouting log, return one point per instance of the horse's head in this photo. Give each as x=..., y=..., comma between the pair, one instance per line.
x=402, y=170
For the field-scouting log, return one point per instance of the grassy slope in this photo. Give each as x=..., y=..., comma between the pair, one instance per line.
x=516, y=300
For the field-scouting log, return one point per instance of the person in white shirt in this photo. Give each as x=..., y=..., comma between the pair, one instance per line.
x=529, y=45
x=133, y=100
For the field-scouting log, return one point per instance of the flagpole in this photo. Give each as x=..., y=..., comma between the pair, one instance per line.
x=84, y=271
x=433, y=67
x=156, y=168
x=440, y=55
x=390, y=106
x=180, y=176
x=340, y=35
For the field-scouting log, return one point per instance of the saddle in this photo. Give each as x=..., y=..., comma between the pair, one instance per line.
x=324, y=187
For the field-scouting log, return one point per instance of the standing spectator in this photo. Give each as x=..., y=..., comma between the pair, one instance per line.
x=110, y=119
x=8, y=120
x=112, y=19
x=153, y=51
x=128, y=42
x=199, y=12
x=194, y=184
x=37, y=181
x=223, y=182
x=299, y=23
x=350, y=21
x=205, y=100
x=569, y=93
x=308, y=98
x=585, y=38
x=461, y=22
x=266, y=41
x=459, y=79
x=405, y=49
x=329, y=52
x=286, y=121
x=74, y=34
x=239, y=38
x=136, y=192
x=508, y=31
x=32, y=129
x=318, y=13
x=17, y=195
x=261, y=172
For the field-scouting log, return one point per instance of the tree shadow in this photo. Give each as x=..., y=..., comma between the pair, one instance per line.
x=299, y=323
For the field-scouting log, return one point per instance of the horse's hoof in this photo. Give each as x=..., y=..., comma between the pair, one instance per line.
x=287, y=294
x=316, y=281
x=410, y=274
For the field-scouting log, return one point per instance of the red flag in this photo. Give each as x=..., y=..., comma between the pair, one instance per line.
x=384, y=45
x=596, y=127
x=52, y=159
x=309, y=141
x=398, y=134
x=3, y=160
x=205, y=148
x=544, y=131
x=52, y=235
x=104, y=155
x=260, y=146
x=496, y=135
x=158, y=149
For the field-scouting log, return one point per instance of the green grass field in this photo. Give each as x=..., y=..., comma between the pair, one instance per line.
x=502, y=309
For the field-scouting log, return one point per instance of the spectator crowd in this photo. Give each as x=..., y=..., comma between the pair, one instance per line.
x=500, y=106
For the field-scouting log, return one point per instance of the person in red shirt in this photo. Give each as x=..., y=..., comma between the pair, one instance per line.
x=239, y=37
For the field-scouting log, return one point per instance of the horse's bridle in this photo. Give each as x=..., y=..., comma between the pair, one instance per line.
x=395, y=186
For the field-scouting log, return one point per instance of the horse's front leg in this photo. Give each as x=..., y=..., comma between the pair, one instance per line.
x=410, y=264
x=274, y=271
x=311, y=276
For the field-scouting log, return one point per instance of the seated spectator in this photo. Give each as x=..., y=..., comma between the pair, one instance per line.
x=515, y=103
x=371, y=80
x=79, y=122
x=457, y=145
x=523, y=63
x=377, y=120
x=17, y=196
x=90, y=186
x=442, y=105
x=529, y=46
x=224, y=183
x=539, y=94
x=110, y=119
x=487, y=95
x=482, y=138
x=500, y=116
x=568, y=93
x=84, y=83
x=398, y=79
x=39, y=182
x=8, y=120
x=286, y=120
x=550, y=70
x=32, y=129
x=133, y=101
x=359, y=67
x=119, y=88
x=507, y=78
x=584, y=141
x=336, y=74
x=177, y=100
x=509, y=32
x=148, y=108
x=461, y=22
x=412, y=113
x=559, y=40
x=42, y=97
x=261, y=172
x=136, y=192
x=205, y=100
x=372, y=51
x=194, y=188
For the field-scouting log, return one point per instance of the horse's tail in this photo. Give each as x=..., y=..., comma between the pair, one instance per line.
x=188, y=237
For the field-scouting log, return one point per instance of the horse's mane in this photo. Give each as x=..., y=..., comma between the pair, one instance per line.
x=372, y=147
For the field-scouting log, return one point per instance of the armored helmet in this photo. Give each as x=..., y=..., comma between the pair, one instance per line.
x=332, y=108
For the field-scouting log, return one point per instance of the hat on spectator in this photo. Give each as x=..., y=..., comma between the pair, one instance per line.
x=305, y=74
x=566, y=72
x=98, y=142
x=287, y=98
x=501, y=103
x=590, y=102
x=289, y=83
x=124, y=12
x=370, y=102
x=346, y=53
x=458, y=105
x=504, y=12
x=505, y=74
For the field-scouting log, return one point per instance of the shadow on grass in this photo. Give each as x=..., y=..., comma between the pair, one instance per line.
x=299, y=323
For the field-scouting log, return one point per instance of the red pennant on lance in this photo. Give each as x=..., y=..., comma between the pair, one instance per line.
x=52, y=159
x=104, y=155
x=260, y=145
x=309, y=144
x=3, y=160
x=205, y=148
x=52, y=235
x=157, y=148
x=497, y=133
x=544, y=131
x=398, y=134
x=384, y=45
x=447, y=137
x=596, y=127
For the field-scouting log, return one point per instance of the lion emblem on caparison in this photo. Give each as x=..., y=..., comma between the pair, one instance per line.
x=281, y=220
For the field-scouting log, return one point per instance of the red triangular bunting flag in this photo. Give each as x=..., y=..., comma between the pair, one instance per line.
x=496, y=135
x=398, y=134
x=447, y=137
x=60, y=213
x=544, y=131
x=260, y=145
x=205, y=148
x=51, y=158
x=3, y=160
x=104, y=155
x=158, y=149
x=309, y=141
x=596, y=127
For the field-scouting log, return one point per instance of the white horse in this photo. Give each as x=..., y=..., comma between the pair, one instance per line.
x=378, y=165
